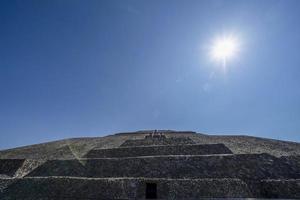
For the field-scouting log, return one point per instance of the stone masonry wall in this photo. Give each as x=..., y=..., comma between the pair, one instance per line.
x=148, y=141
x=10, y=166
x=281, y=188
x=159, y=150
x=78, y=188
x=243, y=166
x=66, y=188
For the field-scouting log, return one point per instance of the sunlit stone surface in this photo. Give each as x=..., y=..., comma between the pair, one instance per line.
x=152, y=165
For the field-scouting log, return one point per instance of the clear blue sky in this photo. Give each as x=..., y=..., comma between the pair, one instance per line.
x=71, y=68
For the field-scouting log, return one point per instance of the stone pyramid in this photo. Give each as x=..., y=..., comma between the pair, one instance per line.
x=152, y=165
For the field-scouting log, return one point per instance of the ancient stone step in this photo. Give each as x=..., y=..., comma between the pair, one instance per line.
x=243, y=166
x=197, y=149
x=9, y=167
x=62, y=188
x=150, y=141
x=280, y=188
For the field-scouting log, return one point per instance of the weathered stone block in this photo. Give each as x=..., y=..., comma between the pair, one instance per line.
x=288, y=189
x=149, y=141
x=10, y=166
x=242, y=166
x=196, y=149
x=126, y=188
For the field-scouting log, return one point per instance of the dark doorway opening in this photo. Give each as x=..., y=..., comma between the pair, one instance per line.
x=151, y=191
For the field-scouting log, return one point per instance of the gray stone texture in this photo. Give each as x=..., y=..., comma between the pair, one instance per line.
x=78, y=188
x=243, y=166
x=10, y=166
x=204, y=149
x=148, y=141
x=184, y=165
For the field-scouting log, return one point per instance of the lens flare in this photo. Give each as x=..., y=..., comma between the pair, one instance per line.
x=224, y=48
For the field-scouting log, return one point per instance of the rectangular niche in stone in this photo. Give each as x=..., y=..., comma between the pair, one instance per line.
x=151, y=191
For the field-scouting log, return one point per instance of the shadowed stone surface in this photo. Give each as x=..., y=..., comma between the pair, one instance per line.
x=243, y=166
x=203, y=149
x=148, y=141
x=78, y=188
x=10, y=166
x=130, y=188
x=77, y=147
x=181, y=165
x=281, y=188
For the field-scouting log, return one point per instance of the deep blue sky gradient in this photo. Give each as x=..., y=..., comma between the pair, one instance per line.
x=76, y=68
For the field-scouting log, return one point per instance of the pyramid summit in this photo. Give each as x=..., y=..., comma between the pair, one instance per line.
x=152, y=164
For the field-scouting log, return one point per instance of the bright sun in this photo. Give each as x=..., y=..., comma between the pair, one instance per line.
x=224, y=48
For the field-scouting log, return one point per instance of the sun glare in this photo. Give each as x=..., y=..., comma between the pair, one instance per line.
x=224, y=48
